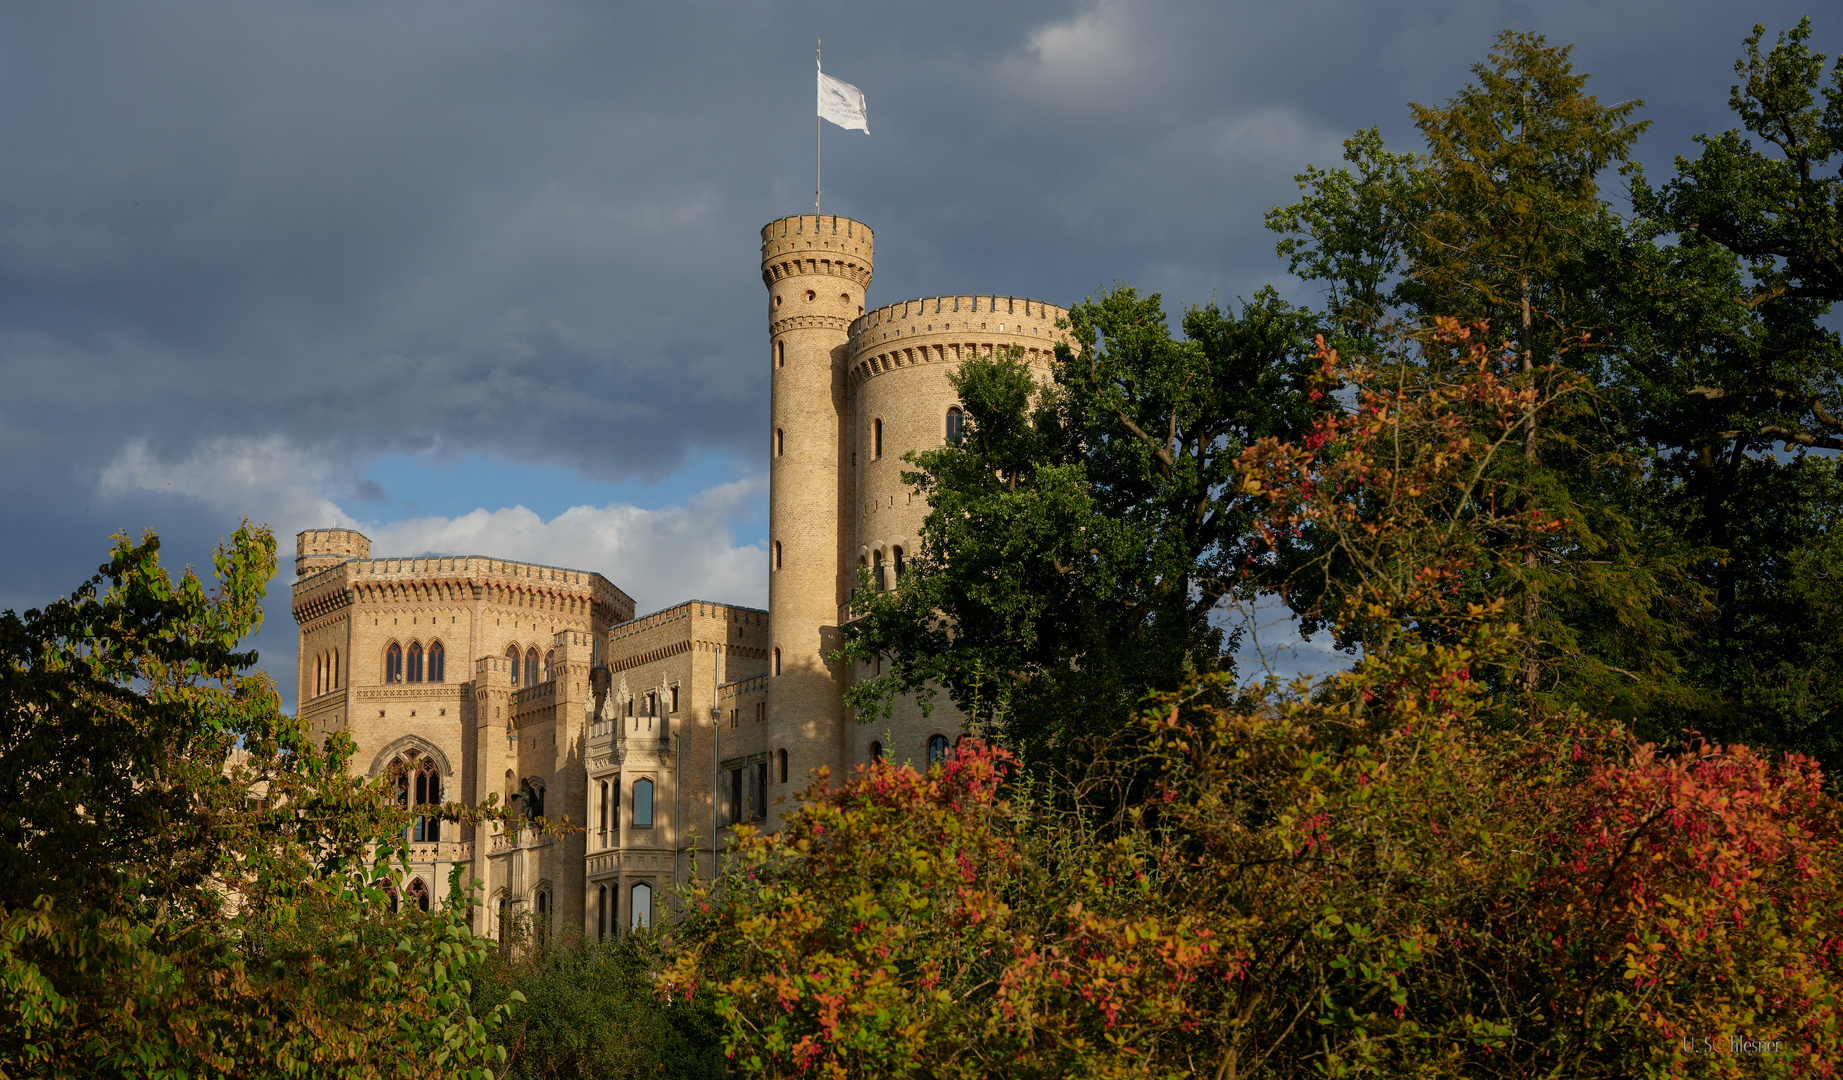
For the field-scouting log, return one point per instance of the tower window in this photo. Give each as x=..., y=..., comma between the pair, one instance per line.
x=674, y=698
x=512, y=663
x=896, y=564
x=780, y=349
x=811, y=295
x=415, y=662
x=643, y=906
x=393, y=663
x=777, y=554
x=954, y=418
x=781, y=761
x=876, y=439
x=780, y=442
x=876, y=571
x=531, y=666
x=643, y=803
x=436, y=656
x=777, y=659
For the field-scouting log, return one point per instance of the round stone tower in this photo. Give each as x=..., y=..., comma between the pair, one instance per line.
x=900, y=358
x=816, y=268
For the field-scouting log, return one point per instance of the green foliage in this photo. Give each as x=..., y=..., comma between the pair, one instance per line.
x=1777, y=210
x=590, y=1012
x=1370, y=877
x=188, y=886
x=1081, y=533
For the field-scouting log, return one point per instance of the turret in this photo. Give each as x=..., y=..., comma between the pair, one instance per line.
x=317, y=549
x=816, y=269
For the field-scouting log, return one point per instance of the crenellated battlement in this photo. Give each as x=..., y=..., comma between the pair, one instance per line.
x=952, y=310
x=823, y=244
x=317, y=549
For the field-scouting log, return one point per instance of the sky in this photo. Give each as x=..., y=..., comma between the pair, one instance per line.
x=483, y=278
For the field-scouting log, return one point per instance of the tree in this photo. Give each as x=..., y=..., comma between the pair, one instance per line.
x=1782, y=214
x=1081, y=534
x=589, y=1011
x=1367, y=876
x=188, y=886
x=1493, y=224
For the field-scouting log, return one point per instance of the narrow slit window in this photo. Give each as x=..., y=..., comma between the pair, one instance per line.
x=876, y=439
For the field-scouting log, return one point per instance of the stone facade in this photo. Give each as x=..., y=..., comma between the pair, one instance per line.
x=482, y=676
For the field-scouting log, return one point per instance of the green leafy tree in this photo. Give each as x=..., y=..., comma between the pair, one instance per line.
x=589, y=1011
x=1780, y=210
x=188, y=886
x=1082, y=533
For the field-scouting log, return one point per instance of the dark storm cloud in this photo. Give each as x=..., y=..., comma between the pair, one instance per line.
x=529, y=230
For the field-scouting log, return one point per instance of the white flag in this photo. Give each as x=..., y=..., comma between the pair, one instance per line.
x=843, y=104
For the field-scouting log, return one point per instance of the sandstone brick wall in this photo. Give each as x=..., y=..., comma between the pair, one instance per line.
x=816, y=269
x=473, y=722
x=647, y=732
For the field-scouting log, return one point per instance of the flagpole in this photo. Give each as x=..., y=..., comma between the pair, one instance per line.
x=817, y=65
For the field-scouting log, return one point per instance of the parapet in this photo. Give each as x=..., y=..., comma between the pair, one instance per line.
x=817, y=244
x=317, y=549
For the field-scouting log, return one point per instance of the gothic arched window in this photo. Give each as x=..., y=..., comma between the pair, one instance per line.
x=419, y=784
x=415, y=664
x=895, y=566
x=643, y=804
x=643, y=905
x=512, y=662
x=436, y=655
x=393, y=663
x=550, y=665
x=419, y=893
x=937, y=750
x=876, y=750
x=954, y=419
x=531, y=666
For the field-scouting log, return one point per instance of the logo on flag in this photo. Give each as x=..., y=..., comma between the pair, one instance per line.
x=843, y=104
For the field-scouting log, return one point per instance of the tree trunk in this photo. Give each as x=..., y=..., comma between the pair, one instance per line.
x=1526, y=346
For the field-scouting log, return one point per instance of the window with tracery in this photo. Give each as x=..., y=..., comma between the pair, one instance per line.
x=550, y=665
x=512, y=662
x=954, y=419
x=419, y=784
x=436, y=655
x=393, y=663
x=419, y=894
x=414, y=667
x=531, y=666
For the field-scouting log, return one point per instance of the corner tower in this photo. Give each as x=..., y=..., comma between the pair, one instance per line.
x=816, y=268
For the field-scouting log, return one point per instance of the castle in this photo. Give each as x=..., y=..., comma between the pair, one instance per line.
x=474, y=675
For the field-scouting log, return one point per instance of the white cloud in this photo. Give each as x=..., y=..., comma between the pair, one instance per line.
x=658, y=556
x=264, y=479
